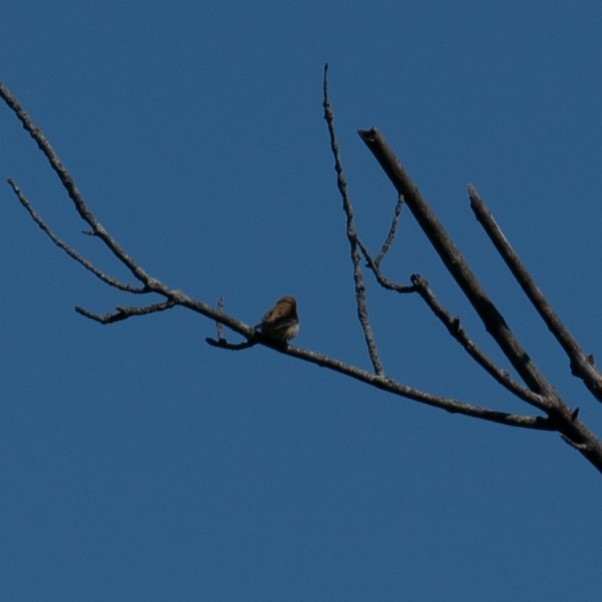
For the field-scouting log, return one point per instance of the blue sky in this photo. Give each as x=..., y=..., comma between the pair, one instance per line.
x=136, y=462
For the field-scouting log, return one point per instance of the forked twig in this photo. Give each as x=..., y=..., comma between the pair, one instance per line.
x=70, y=250
x=74, y=194
x=360, y=288
x=380, y=278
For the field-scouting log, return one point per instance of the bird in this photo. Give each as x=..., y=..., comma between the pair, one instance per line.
x=281, y=323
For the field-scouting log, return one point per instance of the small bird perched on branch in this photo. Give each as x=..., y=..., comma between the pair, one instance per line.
x=281, y=323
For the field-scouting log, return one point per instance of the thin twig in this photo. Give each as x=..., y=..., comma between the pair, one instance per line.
x=223, y=344
x=68, y=249
x=219, y=326
x=74, y=194
x=123, y=313
x=392, y=231
x=380, y=278
x=360, y=288
x=580, y=362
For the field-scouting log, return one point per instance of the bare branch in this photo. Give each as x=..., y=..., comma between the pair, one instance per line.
x=69, y=250
x=387, y=384
x=392, y=231
x=360, y=288
x=458, y=333
x=384, y=282
x=123, y=313
x=559, y=417
x=581, y=364
x=218, y=325
x=74, y=194
x=392, y=386
x=223, y=344
x=420, y=285
x=558, y=411
x=221, y=341
x=458, y=267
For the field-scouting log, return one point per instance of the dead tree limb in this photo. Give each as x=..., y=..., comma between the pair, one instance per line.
x=551, y=412
x=581, y=364
x=564, y=418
